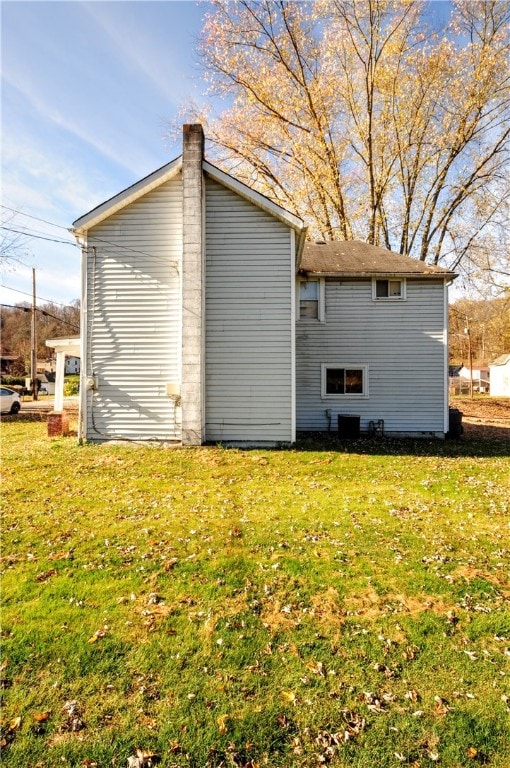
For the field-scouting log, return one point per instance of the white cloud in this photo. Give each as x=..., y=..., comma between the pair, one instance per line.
x=114, y=151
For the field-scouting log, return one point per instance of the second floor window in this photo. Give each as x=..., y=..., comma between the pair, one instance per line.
x=309, y=299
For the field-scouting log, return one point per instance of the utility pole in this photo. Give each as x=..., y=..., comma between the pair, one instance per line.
x=33, y=356
x=470, y=356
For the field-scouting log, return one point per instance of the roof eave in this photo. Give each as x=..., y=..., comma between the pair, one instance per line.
x=127, y=196
x=256, y=198
x=369, y=274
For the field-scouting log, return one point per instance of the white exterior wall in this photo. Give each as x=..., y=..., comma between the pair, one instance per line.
x=249, y=323
x=401, y=342
x=500, y=380
x=134, y=318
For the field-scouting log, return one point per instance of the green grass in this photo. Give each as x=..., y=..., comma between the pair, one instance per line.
x=338, y=603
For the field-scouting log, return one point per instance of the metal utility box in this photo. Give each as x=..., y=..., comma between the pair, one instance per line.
x=348, y=426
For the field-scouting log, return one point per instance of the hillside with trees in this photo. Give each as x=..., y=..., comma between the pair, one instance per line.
x=485, y=324
x=52, y=321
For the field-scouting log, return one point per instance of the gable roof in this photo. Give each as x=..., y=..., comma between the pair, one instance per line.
x=501, y=360
x=167, y=172
x=127, y=196
x=353, y=258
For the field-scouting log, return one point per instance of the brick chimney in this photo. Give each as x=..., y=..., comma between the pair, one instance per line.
x=193, y=287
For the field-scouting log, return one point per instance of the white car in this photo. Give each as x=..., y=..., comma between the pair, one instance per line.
x=9, y=400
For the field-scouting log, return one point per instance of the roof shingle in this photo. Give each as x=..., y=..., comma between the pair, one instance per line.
x=353, y=258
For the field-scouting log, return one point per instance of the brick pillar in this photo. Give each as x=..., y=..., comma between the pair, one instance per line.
x=58, y=423
x=193, y=288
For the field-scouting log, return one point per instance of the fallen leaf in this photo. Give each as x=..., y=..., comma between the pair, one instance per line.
x=45, y=575
x=289, y=696
x=222, y=723
x=14, y=725
x=316, y=667
x=472, y=752
x=40, y=717
x=97, y=634
x=143, y=759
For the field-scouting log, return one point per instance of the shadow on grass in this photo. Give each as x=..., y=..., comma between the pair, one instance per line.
x=387, y=446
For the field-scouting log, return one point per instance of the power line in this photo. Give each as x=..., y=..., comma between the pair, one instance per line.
x=41, y=298
x=40, y=237
x=44, y=313
x=67, y=242
x=36, y=218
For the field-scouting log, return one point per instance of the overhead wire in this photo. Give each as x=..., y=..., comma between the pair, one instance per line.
x=36, y=218
x=41, y=298
x=116, y=245
x=44, y=313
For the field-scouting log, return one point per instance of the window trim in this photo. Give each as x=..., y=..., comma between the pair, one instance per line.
x=321, y=310
x=363, y=367
x=389, y=278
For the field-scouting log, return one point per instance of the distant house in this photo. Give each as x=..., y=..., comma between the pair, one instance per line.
x=500, y=376
x=480, y=376
x=206, y=316
x=48, y=382
x=72, y=365
x=6, y=363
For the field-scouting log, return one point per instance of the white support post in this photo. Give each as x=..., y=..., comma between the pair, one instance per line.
x=59, y=382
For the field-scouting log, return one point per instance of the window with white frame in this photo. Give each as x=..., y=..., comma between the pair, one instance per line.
x=311, y=300
x=388, y=289
x=344, y=380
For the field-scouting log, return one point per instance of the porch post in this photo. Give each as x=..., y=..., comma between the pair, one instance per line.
x=59, y=382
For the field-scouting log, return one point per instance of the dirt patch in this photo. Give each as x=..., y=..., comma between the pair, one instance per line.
x=484, y=417
x=370, y=605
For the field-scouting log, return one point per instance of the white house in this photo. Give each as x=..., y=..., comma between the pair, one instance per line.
x=72, y=365
x=207, y=317
x=500, y=376
x=479, y=375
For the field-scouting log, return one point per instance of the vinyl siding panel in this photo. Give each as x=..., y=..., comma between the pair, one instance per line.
x=248, y=321
x=401, y=342
x=134, y=318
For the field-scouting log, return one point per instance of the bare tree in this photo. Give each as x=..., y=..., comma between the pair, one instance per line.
x=367, y=122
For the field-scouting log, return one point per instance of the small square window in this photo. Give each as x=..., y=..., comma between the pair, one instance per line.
x=344, y=380
x=388, y=289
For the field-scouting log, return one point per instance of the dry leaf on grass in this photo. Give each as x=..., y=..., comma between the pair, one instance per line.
x=289, y=696
x=97, y=635
x=222, y=723
x=143, y=759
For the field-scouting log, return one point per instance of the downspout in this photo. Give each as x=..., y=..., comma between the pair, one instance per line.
x=446, y=426
x=82, y=412
x=293, y=334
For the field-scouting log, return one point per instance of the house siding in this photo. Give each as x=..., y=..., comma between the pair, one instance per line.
x=500, y=380
x=249, y=285
x=401, y=342
x=134, y=318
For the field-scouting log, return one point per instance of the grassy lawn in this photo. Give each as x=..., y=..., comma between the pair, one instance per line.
x=343, y=605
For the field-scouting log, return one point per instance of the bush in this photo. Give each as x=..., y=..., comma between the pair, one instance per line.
x=72, y=386
x=13, y=381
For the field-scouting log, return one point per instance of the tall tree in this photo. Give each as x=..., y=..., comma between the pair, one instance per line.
x=365, y=121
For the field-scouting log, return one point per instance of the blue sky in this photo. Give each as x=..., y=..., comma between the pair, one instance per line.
x=87, y=90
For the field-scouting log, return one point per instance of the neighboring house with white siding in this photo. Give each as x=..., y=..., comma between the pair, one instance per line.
x=72, y=365
x=206, y=317
x=500, y=376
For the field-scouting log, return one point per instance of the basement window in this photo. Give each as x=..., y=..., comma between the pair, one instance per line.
x=344, y=380
x=388, y=289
